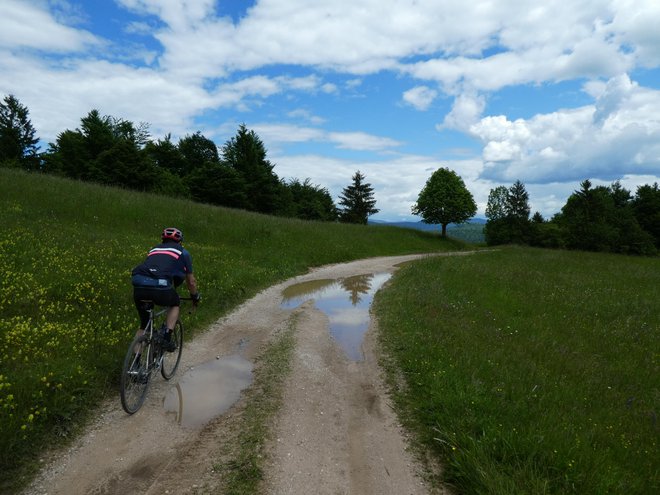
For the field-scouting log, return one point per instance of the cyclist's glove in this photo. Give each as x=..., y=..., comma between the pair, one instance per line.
x=196, y=298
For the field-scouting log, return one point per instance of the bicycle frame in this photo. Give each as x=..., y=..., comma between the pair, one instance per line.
x=150, y=331
x=138, y=367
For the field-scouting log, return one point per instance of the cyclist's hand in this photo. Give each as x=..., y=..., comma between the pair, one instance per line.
x=196, y=298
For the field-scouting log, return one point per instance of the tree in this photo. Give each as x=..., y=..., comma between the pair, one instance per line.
x=105, y=150
x=197, y=151
x=444, y=200
x=217, y=184
x=246, y=154
x=507, y=215
x=311, y=202
x=497, y=203
x=170, y=166
x=518, y=202
x=537, y=218
x=357, y=201
x=166, y=155
x=18, y=144
x=602, y=219
x=68, y=156
x=646, y=207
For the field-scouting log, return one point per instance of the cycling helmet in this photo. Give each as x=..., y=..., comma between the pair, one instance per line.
x=173, y=234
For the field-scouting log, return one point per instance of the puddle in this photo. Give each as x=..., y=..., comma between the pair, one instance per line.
x=345, y=301
x=208, y=390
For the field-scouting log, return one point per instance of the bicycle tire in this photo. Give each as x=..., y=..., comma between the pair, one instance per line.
x=171, y=360
x=135, y=375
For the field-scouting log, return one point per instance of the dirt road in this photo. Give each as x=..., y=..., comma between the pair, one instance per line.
x=335, y=434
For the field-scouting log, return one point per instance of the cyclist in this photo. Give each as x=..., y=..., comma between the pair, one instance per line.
x=166, y=267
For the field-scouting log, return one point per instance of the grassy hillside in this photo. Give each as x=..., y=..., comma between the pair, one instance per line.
x=471, y=232
x=66, y=252
x=530, y=371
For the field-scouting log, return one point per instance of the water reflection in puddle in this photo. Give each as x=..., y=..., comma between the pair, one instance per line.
x=345, y=301
x=208, y=390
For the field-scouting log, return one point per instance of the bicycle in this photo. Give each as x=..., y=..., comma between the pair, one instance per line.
x=146, y=356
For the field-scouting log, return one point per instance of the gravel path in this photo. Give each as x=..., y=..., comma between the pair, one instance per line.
x=335, y=434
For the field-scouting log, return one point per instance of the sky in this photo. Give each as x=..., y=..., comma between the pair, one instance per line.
x=548, y=93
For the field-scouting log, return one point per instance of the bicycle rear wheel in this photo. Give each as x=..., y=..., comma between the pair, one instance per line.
x=171, y=359
x=135, y=374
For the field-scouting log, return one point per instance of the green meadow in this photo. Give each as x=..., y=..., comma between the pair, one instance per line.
x=520, y=370
x=66, y=311
x=530, y=371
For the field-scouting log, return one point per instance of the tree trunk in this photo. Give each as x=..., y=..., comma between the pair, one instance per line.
x=444, y=230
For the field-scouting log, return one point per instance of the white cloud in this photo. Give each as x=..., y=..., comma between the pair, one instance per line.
x=613, y=97
x=617, y=135
x=304, y=114
x=24, y=25
x=635, y=24
x=277, y=134
x=333, y=50
x=361, y=141
x=420, y=97
x=465, y=112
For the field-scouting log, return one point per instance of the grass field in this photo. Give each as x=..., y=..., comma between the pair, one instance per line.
x=525, y=371
x=529, y=371
x=65, y=297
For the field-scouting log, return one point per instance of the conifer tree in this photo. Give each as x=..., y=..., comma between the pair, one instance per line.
x=357, y=201
x=18, y=144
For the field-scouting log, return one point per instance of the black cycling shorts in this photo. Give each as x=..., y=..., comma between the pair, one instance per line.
x=160, y=297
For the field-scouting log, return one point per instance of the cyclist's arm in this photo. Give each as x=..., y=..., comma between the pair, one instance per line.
x=191, y=283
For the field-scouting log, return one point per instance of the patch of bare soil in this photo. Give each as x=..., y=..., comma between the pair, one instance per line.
x=335, y=434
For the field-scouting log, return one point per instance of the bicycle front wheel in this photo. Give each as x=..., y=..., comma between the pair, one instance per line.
x=135, y=375
x=171, y=359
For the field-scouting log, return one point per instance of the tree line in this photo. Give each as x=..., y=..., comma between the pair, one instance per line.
x=117, y=152
x=601, y=218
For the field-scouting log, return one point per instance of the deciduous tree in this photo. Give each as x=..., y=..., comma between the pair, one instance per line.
x=197, y=150
x=444, y=200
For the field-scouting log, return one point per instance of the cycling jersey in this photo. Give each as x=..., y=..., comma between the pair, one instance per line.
x=167, y=265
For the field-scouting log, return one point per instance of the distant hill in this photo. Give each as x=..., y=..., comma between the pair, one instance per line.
x=472, y=232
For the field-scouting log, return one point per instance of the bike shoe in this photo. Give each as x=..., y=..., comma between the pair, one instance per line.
x=169, y=345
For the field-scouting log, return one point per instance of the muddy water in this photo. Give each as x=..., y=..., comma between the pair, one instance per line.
x=208, y=390
x=345, y=301
x=211, y=388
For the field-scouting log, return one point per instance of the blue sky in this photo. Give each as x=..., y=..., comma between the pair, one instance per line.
x=547, y=93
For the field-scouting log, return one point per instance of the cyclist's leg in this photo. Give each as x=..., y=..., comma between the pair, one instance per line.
x=140, y=295
x=169, y=298
x=172, y=316
x=171, y=359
